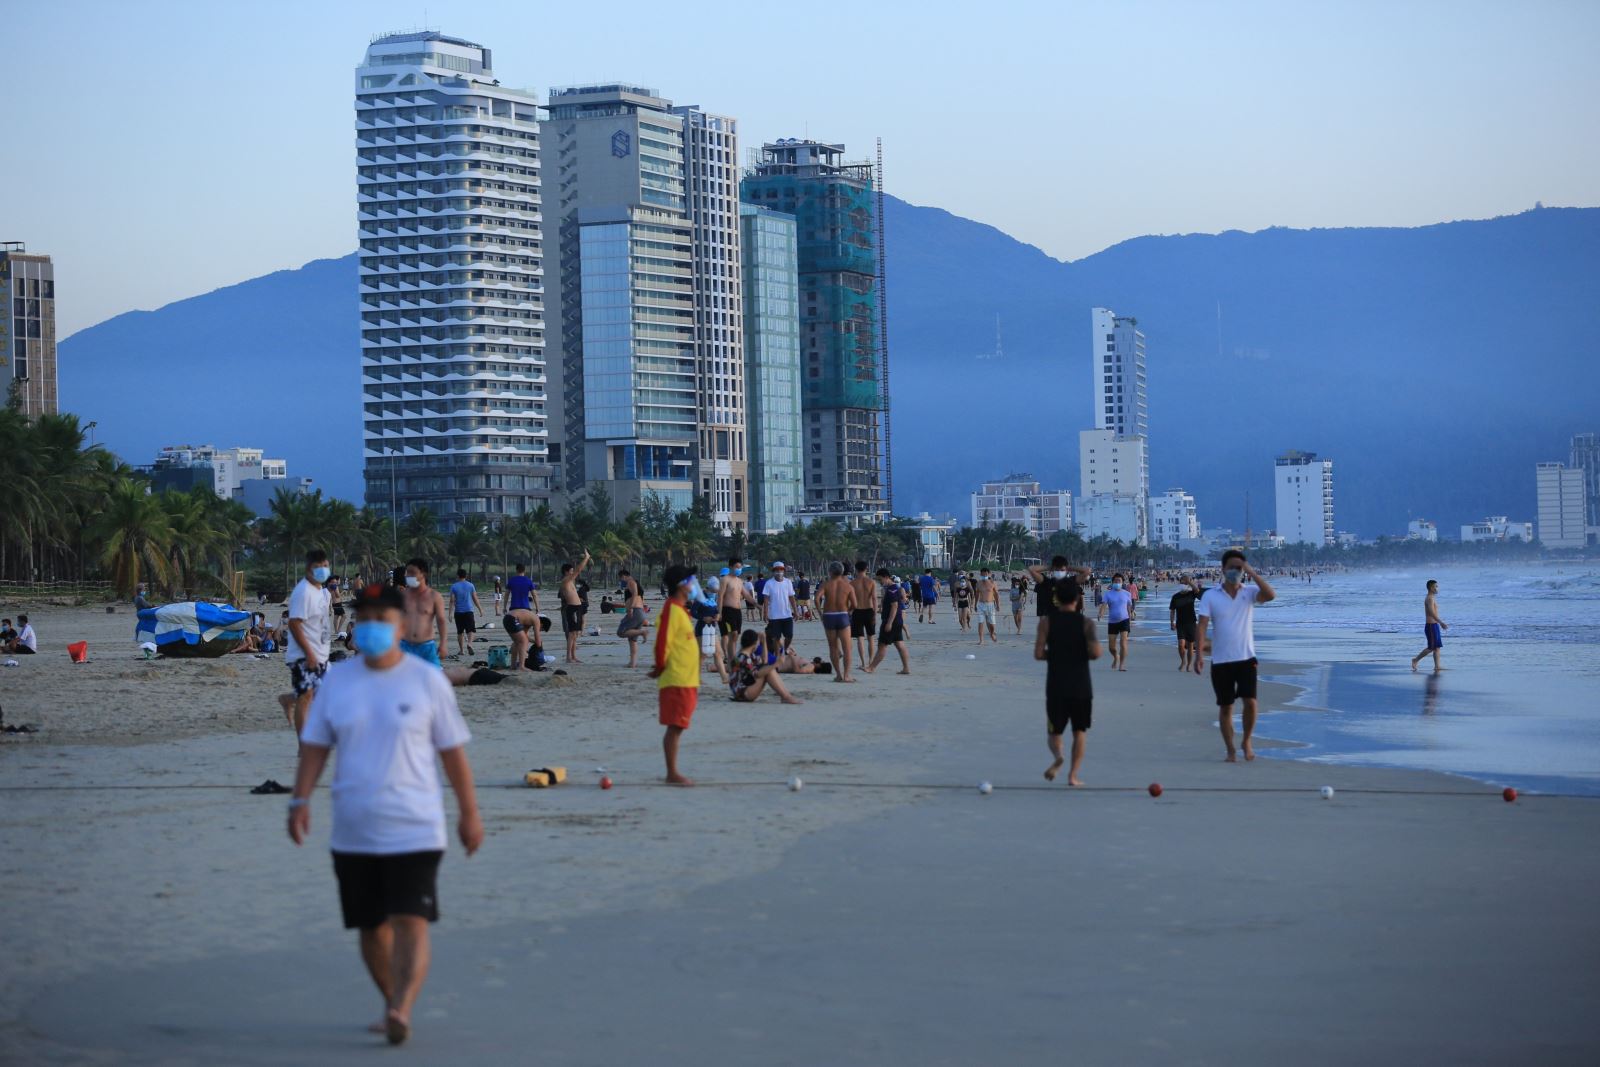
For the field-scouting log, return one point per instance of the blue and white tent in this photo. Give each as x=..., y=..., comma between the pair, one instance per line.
x=193, y=628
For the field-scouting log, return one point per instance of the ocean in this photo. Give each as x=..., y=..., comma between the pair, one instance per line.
x=1518, y=703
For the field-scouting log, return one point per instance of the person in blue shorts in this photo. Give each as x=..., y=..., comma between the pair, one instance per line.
x=929, y=586
x=423, y=635
x=1433, y=627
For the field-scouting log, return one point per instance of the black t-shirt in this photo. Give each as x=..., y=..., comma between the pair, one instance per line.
x=1183, y=604
x=1047, y=592
x=802, y=589
x=1067, y=658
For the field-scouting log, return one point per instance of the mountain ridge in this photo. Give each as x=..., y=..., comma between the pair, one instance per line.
x=1316, y=327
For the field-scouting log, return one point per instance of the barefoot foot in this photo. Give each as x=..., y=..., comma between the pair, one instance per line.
x=1053, y=770
x=678, y=779
x=1249, y=753
x=1075, y=782
x=396, y=1027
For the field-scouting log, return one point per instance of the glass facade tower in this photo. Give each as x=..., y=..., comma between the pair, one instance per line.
x=454, y=382
x=843, y=397
x=772, y=365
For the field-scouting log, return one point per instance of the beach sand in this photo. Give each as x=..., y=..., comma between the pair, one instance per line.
x=156, y=913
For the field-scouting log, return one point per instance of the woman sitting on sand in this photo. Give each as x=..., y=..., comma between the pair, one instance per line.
x=751, y=673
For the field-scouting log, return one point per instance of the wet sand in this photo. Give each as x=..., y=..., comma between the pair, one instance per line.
x=887, y=913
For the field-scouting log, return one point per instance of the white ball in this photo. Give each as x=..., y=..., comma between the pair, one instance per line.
x=1327, y=792
x=985, y=788
x=971, y=656
x=795, y=784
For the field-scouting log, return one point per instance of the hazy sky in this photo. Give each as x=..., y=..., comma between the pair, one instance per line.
x=159, y=150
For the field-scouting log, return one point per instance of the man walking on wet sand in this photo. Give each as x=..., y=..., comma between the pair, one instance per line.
x=677, y=665
x=1431, y=626
x=1230, y=609
x=388, y=713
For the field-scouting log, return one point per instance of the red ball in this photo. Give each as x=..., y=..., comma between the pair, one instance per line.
x=605, y=783
x=1509, y=794
x=1155, y=789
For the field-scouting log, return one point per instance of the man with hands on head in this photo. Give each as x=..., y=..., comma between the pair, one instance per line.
x=388, y=713
x=1229, y=609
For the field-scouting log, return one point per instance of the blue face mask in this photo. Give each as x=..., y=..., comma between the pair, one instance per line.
x=375, y=638
x=1116, y=585
x=696, y=594
x=321, y=574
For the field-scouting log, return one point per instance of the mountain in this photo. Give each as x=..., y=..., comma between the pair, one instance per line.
x=1434, y=365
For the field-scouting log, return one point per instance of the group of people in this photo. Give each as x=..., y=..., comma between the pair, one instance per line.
x=19, y=640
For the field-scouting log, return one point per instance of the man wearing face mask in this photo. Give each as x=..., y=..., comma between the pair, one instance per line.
x=424, y=632
x=1117, y=604
x=1230, y=610
x=1044, y=582
x=306, y=643
x=388, y=714
x=677, y=665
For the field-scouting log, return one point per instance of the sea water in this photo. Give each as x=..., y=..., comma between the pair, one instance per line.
x=1518, y=702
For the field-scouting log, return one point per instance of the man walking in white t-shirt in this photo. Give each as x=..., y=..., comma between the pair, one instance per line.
x=305, y=649
x=1230, y=609
x=388, y=713
x=777, y=607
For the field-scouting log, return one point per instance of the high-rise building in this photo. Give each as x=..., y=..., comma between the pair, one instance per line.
x=1586, y=457
x=843, y=396
x=1020, y=498
x=711, y=179
x=1304, y=491
x=652, y=332
x=455, y=392
x=1173, y=520
x=1112, y=474
x=772, y=365
x=1114, y=457
x=28, y=330
x=1561, y=505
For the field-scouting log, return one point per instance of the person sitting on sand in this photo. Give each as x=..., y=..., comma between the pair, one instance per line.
x=26, y=642
x=1066, y=641
x=750, y=672
x=8, y=633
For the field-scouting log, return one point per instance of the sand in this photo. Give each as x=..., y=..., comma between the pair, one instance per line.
x=156, y=913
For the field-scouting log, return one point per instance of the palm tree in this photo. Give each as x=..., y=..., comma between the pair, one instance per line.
x=192, y=539
x=469, y=542
x=292, y=523
x=419, y=534
x=135, y=537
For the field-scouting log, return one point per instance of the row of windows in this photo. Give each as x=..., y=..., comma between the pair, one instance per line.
x=442, y=223
x=469, y=240
x=412, y=173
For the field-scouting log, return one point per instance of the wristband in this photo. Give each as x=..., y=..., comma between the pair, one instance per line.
x=298, y=802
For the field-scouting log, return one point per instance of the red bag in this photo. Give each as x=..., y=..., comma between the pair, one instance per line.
x=79, y=651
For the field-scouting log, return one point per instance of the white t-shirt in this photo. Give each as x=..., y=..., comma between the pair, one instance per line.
x=1232, y=627
x=780, y=598
x=310, y=604
x=27, y=638
x=387, y=725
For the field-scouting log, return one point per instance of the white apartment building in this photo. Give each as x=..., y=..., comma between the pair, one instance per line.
x=1019, y=498
x=1173, y=520
x=1421, y=530
x=1561, y=505
x=1113, y=474
x=223, y=470
x=1496, y=528
x=455, y=395
x=1304, y=492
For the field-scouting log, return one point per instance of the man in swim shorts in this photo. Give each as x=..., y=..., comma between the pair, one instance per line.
x=836, y=601
x=632, y=625
x=572, y=606
x=1432, y=627
x=988, y=597
x=863, y=617
x=423, y=635
x=732, y=594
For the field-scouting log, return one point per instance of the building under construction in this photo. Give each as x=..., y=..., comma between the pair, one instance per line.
x=844, y=394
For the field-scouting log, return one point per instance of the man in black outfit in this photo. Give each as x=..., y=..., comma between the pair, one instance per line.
x=1066, y=641
x=1181, y=619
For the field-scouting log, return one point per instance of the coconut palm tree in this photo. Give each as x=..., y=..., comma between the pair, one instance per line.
x=419, y=534
x=469, y=542
x=134, y=536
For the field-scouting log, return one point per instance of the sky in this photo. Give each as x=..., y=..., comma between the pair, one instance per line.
x=161, y=150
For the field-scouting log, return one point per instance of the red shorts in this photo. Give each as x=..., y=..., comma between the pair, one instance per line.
x=677, y=705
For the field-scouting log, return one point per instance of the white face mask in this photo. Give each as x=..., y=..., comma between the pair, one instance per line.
x=1058, y=575
x=412, y=581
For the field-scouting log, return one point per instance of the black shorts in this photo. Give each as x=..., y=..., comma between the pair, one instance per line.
x=861, y=620
x=783, y=628
x=466, y=622
x=373, y=887
x=301, y=680
x=1188, y=632
x=889, y=635
x=1125, y=626
x=1065, y=712
x=512, y=625
x=731, y=621
x=572, y=618
x=1233, y=681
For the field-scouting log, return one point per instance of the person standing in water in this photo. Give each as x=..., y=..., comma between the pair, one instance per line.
x=1432, y=626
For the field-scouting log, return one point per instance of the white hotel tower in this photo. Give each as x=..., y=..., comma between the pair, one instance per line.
x=454, y=389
